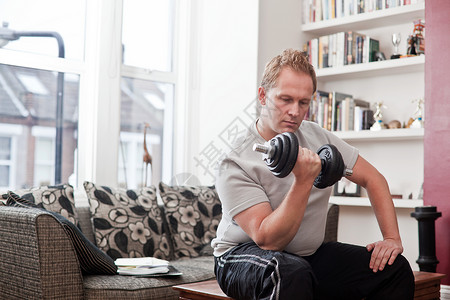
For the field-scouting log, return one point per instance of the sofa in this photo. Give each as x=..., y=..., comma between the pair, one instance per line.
x=40, y=258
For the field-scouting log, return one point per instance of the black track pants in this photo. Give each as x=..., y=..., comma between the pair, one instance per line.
x=335, y=271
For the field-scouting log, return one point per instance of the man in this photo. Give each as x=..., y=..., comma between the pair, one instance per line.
x=269, y=243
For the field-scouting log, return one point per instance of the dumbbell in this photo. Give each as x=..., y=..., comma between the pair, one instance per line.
x=280, y=155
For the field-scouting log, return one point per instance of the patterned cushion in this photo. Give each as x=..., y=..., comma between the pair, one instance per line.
x=193, y=214
x=128, y=223
x=92, y=260
x=56, y=198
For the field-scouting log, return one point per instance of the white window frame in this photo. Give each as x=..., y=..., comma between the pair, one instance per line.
x=99, y=90
x=11, y=131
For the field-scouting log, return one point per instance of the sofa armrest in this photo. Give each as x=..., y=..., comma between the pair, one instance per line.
x=37, y=258
x=331, y=228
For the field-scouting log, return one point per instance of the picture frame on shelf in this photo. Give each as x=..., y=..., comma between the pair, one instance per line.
x=346, y=188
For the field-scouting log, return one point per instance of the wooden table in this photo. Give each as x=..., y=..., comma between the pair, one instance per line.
x=201, y=291
x=428, y=285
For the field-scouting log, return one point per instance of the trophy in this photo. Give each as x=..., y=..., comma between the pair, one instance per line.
x=418, y=114
x=396, y=38
x=378, y=117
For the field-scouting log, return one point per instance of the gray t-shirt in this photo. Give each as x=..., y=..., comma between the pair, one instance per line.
x=244, y=180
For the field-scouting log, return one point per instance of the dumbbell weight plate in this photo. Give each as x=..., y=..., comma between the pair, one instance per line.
x=273, y=161
x=289, y=155
x=280, y=155
x=332, y=166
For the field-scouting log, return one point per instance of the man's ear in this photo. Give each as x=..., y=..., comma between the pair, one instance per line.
x=262, y=96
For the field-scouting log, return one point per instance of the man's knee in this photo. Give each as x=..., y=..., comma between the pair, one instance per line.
x=296, y=277
x=291, y=264
x=404, y=271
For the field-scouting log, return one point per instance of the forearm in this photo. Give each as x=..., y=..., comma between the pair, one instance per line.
x=274, y=229
x=377, y=188
x=381, y=200
x=280, y=227
x=385, y=251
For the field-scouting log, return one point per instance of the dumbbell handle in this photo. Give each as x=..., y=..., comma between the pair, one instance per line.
x=268, y=150
x=262, y=148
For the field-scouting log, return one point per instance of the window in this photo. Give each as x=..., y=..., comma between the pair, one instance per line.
x=145, y=105
x=65, y=17
x=44, y=155
x=147, y=92
x=10, y=136
x=133, y=173
x=35, y=95
x=147, y=34
x=5, y=160
x=77, y=140
x=28, y=100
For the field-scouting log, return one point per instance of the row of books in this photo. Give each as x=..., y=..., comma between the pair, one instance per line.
x=337, y=111
x=319, y=10
x=342, y=48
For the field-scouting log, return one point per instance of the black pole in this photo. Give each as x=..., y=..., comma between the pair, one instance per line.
x=59, y=119
x=426, y=215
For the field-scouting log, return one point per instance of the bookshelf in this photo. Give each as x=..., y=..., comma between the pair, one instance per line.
x=379, y=18
x=396, y=153
x=377, y=68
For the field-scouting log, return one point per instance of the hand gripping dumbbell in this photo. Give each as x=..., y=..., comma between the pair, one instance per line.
x=280, y=155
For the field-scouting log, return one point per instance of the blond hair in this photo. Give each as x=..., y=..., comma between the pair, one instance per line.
x=294, y=59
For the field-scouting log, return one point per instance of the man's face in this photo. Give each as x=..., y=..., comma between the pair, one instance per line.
x=284, y=106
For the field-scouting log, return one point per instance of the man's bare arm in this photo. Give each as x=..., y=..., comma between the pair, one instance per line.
x=274, y=229
x=385, y=251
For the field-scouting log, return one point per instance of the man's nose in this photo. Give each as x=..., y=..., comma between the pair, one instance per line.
x=294, y=110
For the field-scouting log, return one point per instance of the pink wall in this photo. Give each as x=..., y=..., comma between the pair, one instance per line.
x=437, y=125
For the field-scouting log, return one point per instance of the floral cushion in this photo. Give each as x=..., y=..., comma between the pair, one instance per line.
x=128, y=223
x=56, y=198
x=193, y=214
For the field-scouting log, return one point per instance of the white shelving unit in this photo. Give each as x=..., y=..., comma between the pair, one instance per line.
x=397, y=153
x=379, y=18
x=394, y=135
x=362, y=201
x=377, y=68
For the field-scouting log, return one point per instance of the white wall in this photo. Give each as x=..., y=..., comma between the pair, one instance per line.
x=233, y=42
x=279, y=29
x=223, y=79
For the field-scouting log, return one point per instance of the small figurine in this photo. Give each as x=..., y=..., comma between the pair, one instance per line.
x=416, y=41
x=378, y=117
x=418, y=114
x=394, y=124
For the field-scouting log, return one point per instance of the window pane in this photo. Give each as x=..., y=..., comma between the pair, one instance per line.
x=144, y=102
x=147, y=33
x=4, y=176
x=43, y=16
x=44, y=149
x=5, y=148
x=43, y=175
x=28, y=114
